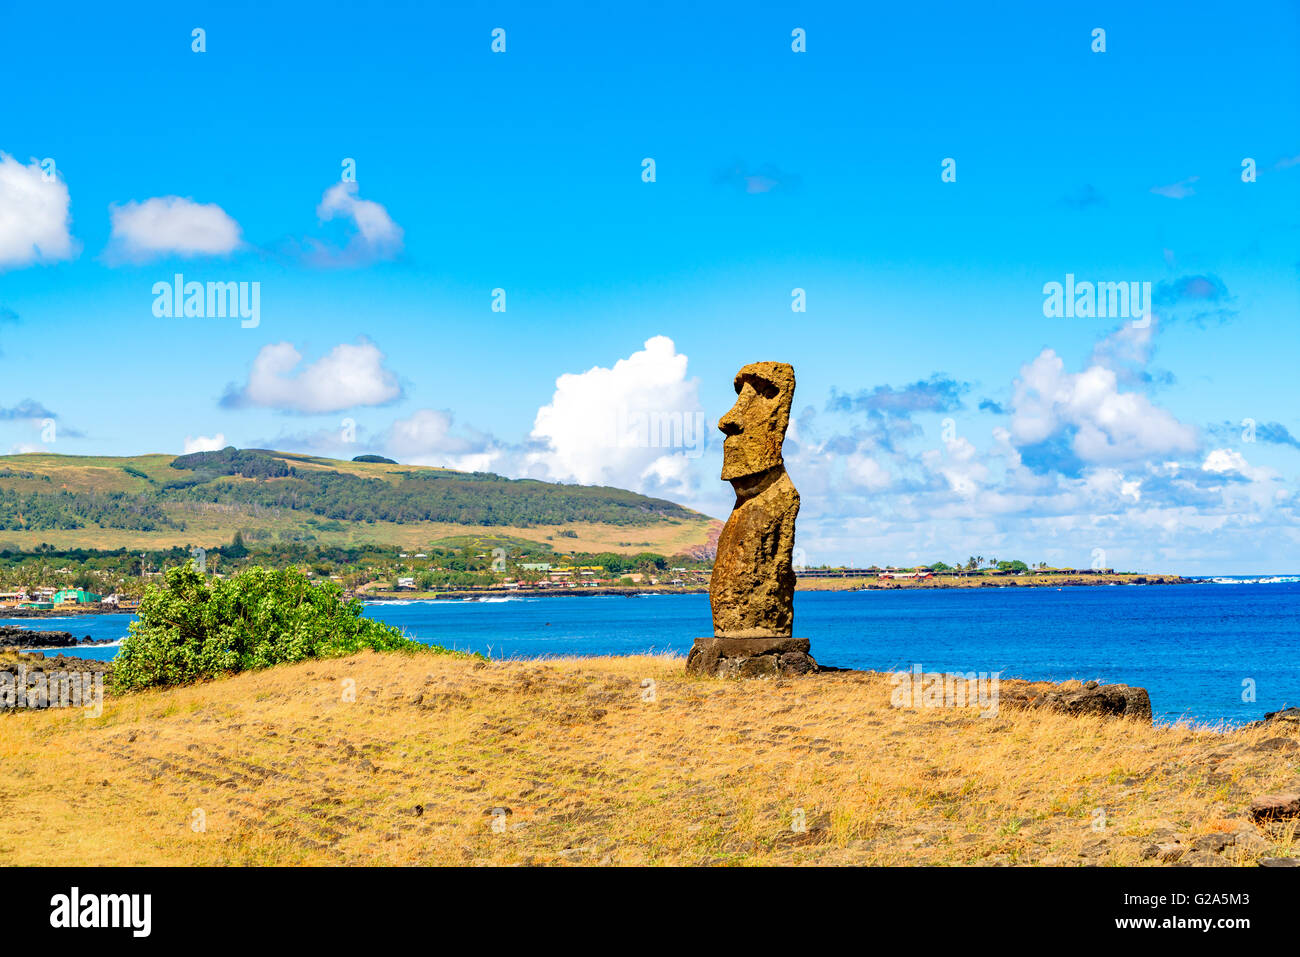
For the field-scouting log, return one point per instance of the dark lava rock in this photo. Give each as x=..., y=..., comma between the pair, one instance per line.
x=16, y=637
x=38, y=681
x=750, y=657
x=12, y=636
x=1275, y=807
x=1121, y=701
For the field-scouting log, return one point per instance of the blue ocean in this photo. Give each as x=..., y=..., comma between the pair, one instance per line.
x=1203, y=651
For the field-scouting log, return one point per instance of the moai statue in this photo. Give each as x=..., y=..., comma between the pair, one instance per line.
x=752, y=589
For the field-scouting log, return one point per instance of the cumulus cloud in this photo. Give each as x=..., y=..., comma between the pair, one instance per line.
x=865, y=471
x=205, y=443
x=426, y=438
x=959, y=465
x=1081, y=461
x=636, y=425
x=170, y=226
x=1088, y=412
x=34, y=215
x=1224, y=460
x=373, y=234
x=349, y=375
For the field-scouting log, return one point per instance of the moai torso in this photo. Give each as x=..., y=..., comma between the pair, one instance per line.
x=752, y=588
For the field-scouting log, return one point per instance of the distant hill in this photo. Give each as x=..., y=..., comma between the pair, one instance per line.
x=204, y=497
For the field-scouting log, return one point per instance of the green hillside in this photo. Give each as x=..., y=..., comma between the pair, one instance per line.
x=202, y=498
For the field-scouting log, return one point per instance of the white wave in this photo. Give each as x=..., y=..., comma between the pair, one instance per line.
x=71, y=650
x=1263, y=580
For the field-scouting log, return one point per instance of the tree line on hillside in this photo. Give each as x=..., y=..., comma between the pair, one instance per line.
x=478, y=498
x=475, y=498
x=70, y=510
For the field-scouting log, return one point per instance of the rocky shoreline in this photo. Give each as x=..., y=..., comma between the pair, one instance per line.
x=17, y=638
x=804, y=584
x=35, y=681
x=70, y=612
x=1020, y=581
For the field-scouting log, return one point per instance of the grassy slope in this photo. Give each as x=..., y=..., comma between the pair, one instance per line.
x=210, y=525
x=288, y=772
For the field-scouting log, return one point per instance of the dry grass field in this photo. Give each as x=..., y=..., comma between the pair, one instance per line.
x=616, y=761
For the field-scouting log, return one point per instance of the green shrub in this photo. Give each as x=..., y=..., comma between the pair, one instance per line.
x=191, y=628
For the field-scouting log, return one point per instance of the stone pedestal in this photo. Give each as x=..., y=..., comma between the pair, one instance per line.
x=750, y=657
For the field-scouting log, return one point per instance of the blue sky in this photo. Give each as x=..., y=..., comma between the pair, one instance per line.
x=774, y=170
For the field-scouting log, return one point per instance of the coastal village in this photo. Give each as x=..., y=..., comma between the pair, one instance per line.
x=63, y=599
x=407, y=577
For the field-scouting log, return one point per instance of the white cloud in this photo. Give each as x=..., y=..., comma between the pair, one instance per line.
x=349, y=375
x=1227, y=461
x=1139, y=483
x=205, y=443
x=425, y=438
x=1108, y=425
x=865, y=471
x=376, y=236
x=637, y=425
x=959, y=465
x=34, y=216
x=1224, y=460
x=171, y=225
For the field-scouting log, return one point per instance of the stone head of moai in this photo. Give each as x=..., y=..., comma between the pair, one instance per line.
x=755, y=426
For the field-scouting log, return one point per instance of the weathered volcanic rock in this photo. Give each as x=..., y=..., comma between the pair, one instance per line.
x=750, y=657
x=12, y=636
x=752, y=587
x=1287, y=716
x=751, y=591
x=1121, y=701
x=1274, y=807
